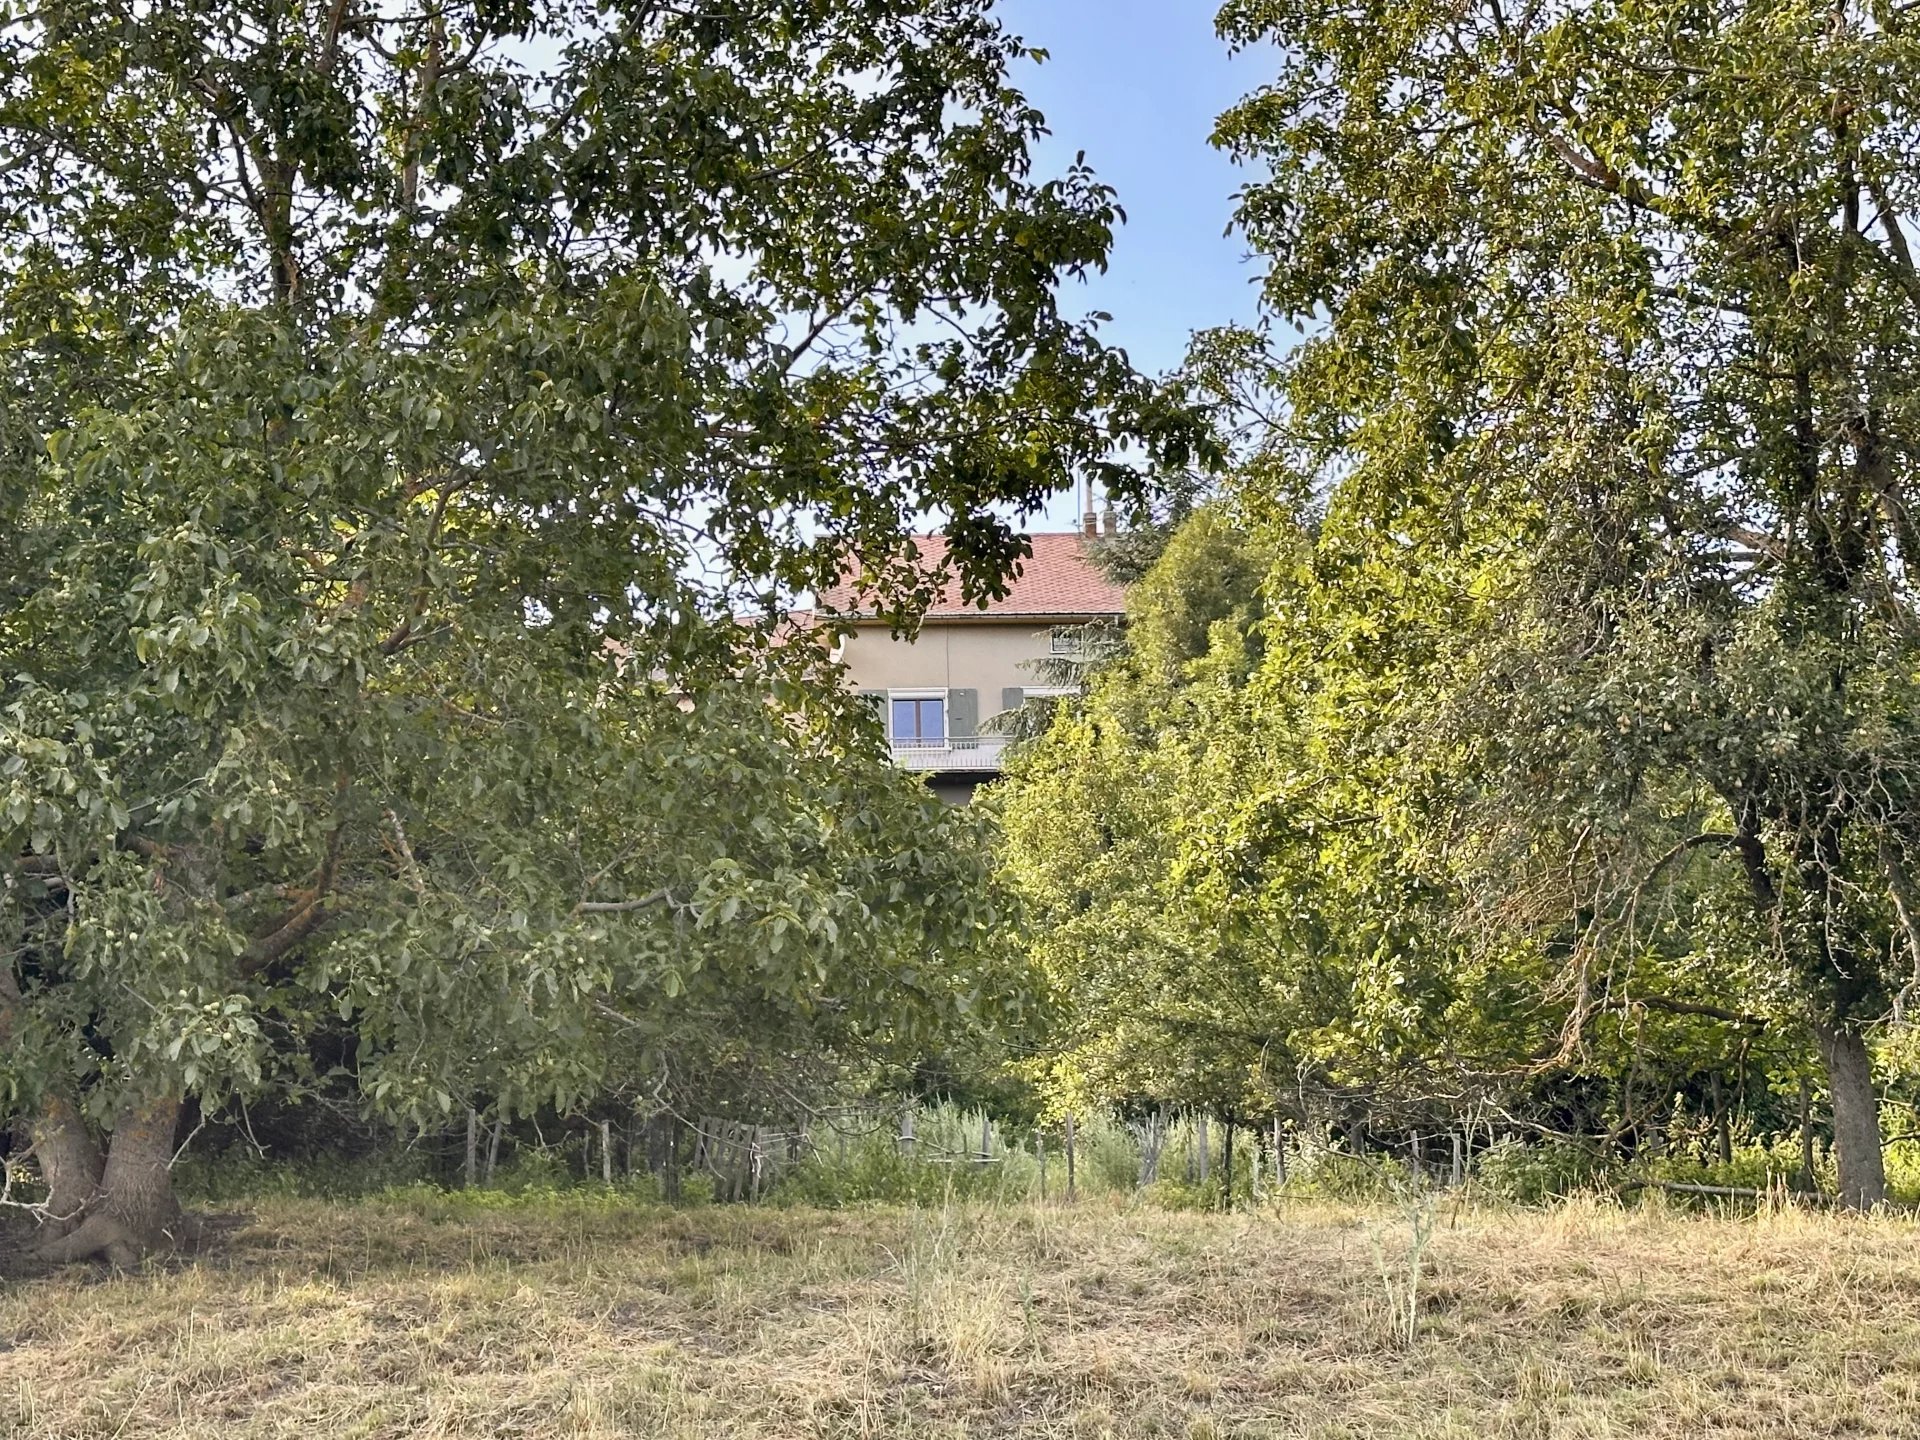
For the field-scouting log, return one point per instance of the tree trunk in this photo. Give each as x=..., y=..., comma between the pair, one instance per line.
x=1856, y=1116
x=1806, y=1136
x=134, y=1211
x=67, y=1155
x=70, y=1163
x=1848, y=987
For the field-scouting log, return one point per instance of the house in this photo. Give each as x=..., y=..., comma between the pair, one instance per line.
x=969, y=662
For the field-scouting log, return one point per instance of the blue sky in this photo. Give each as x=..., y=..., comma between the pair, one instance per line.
x=1137, y=84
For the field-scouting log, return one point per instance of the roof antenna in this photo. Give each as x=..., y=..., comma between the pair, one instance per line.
x=1089, y=519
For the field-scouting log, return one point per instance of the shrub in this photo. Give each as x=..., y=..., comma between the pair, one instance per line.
x=1533, y=1174
x=238, y=1175
x=1319, y=1170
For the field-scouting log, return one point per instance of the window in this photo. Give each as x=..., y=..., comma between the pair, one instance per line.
x=1065, y=639
x=919, y=720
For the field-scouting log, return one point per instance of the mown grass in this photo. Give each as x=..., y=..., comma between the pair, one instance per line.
x=428, y=1315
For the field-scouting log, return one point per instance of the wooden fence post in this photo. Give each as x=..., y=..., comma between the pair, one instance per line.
x=473, y=1146
x=1722, y=1123
x=1226, y=1162
x=1202, y=1144
x=1279, y=1153
x=606, y=1152
x=1070, y=1166
x=986, y=1138
x=906, y=1128
x=672, y=1186
x=1459, y=1161
x=1040, y=1155
x=493, y=1146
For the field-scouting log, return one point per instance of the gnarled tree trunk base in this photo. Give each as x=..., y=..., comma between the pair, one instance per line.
x=69, y=1161
x=132, y=1211
x=99, y=1237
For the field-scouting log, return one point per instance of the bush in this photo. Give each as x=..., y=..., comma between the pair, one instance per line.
x=1776, y=1166
x=941, y=1165
x=1179, y=1195
x=1534, y=1174
x=1321, y=1171
x=238, y=1175
x=1106, y=1157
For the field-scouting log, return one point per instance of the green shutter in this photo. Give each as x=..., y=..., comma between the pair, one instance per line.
x=963, y=713
x=1012, y=698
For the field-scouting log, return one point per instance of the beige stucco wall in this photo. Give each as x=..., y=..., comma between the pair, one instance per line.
x=981, y=655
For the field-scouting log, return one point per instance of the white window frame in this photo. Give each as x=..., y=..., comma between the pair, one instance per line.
x=922, y=692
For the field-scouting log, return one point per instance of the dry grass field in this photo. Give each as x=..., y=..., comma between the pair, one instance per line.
x=436, y=1316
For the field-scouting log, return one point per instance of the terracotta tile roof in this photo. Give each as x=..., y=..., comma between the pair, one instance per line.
x=1056, y=579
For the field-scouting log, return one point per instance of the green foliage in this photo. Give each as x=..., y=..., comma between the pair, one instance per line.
x=1220, y=860
x=407, y=454
x=1611, y=412
x=877, y=1173
x=1530, y=721
x=1534, y=1174
x=873, y=1166
x=1106, y=1156
x=1323, y=1172
x=238, y=1175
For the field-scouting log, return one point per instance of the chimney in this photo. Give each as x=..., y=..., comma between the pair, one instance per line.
x=1090, y=525
x=1109, y=522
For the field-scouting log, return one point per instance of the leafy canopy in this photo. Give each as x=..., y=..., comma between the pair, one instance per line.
x=397, y=407
x=1619, y=317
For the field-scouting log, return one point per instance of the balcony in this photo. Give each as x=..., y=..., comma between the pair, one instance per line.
x=977, y=753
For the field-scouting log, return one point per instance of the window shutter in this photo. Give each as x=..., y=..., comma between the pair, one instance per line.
x=878, y=700
x=963, y=713
x=1012, y=698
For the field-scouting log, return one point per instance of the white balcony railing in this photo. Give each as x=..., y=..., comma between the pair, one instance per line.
x=971, y=752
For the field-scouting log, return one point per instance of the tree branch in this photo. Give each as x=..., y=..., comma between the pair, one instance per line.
x=621, y=907
x=1692, y=842
x=1683, y=1007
